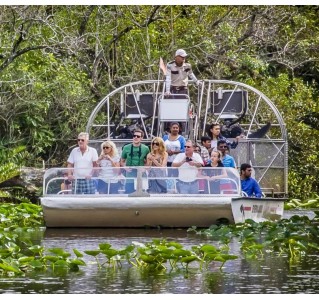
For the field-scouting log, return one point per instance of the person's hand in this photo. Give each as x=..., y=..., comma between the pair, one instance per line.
x=167, y=93
x=70, y=177
x=199, y=83
x=239, y=137
x=170, y=152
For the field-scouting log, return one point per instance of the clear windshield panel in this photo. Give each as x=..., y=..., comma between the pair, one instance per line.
x=152, y=180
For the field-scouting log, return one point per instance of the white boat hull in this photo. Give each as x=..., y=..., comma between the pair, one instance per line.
x=257, y=209
x=157, y=211
x=101, y=211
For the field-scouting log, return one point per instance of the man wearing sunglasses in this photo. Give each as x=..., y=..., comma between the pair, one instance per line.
x=227, y=160
x=133, y=155
x=188, y=164
x=81, y=162
x=248, y=184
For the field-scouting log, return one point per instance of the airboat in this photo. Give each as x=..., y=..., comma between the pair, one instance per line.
x=239, y=107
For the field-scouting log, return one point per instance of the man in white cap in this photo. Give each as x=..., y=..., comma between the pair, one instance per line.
x=177, y=74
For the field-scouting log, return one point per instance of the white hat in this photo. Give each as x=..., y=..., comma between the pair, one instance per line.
x=180, y=52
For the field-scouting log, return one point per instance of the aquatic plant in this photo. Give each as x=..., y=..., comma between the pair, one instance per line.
x=293, y=203
x=160, y=255
x=294, y=237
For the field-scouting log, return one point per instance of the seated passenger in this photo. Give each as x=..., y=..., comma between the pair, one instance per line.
x=157, y=158
x=188, y=164
x=214, y=132
x=248, y=184
x=109, y=161
x=213, y=176
x=227, y=160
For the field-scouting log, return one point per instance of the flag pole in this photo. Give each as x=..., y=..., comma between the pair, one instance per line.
x=163, y=68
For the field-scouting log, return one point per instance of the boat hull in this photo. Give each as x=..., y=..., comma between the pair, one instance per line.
x=184, y=211
x=257, y=209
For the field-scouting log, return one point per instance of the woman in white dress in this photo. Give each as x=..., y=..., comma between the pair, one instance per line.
x=109, y=162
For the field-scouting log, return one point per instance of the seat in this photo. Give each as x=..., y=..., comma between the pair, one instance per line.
x=174, y=110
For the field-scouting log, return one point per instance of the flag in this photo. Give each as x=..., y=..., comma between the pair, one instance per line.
x=162, y=66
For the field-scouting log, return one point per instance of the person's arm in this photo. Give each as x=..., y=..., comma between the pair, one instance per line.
x=192, y=76
x=182, y=141
x=222, y=175
x=122, y=162
x=148, y=160
x=70, y=169
x=168, y=79
x=256, y=189
x=164, y=162
x=178, y=161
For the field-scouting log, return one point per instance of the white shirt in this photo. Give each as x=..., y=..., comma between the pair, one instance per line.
x=174, y=146
x=83, y=164
x=187, y=173
x=107, y=171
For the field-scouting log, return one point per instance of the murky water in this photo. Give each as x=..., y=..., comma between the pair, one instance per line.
x=271, y=275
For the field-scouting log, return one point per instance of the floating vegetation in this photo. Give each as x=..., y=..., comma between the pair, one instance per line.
x=298, y=203
x=160, y=255
x=292, y=238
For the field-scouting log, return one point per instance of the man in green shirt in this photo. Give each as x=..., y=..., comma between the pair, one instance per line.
x=133, y=155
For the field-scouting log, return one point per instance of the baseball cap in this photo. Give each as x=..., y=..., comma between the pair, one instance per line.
x=180, y=52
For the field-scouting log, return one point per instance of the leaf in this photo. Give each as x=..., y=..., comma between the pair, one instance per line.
x=148, y=259
x=189, y=259
x=77, y=253
x=92, y=252
x=104, y=246
x=10, y=268
x=208, y=249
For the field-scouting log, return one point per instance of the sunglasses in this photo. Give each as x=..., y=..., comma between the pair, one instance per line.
x=155, y=143
x=223, y=147
x=81, y=140
x=137, y=136
x=106, y=147
x=188, y=146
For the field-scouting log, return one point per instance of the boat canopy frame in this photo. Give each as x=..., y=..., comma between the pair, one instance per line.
x=235, y=105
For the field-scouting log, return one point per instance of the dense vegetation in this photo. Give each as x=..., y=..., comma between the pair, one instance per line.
x=56, y=63
x=21, y=251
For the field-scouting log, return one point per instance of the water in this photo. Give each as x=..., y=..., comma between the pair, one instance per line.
x=271, y=275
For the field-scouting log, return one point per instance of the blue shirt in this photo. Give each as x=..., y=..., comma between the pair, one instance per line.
x=228, y=161
x=251, y=187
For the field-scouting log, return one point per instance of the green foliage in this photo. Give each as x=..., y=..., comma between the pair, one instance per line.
x=56, y=62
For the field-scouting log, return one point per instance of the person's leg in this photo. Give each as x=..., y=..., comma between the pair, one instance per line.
x=102, y=187
x=114, y=188
x=193, y=187
x=89, y=186
x=183, y=188
x=129, y=186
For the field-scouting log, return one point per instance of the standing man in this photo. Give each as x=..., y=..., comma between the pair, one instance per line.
x=81, y=162
x=204, y=148
x=177, y=74
x=248, y=184
x=188, y=164
x=227, y=160
x=133, y=155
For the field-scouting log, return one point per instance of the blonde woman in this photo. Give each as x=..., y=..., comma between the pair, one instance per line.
x=157, y=159
x=109, y=162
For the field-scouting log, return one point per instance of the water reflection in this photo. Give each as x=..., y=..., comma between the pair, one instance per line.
x=271, y=275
